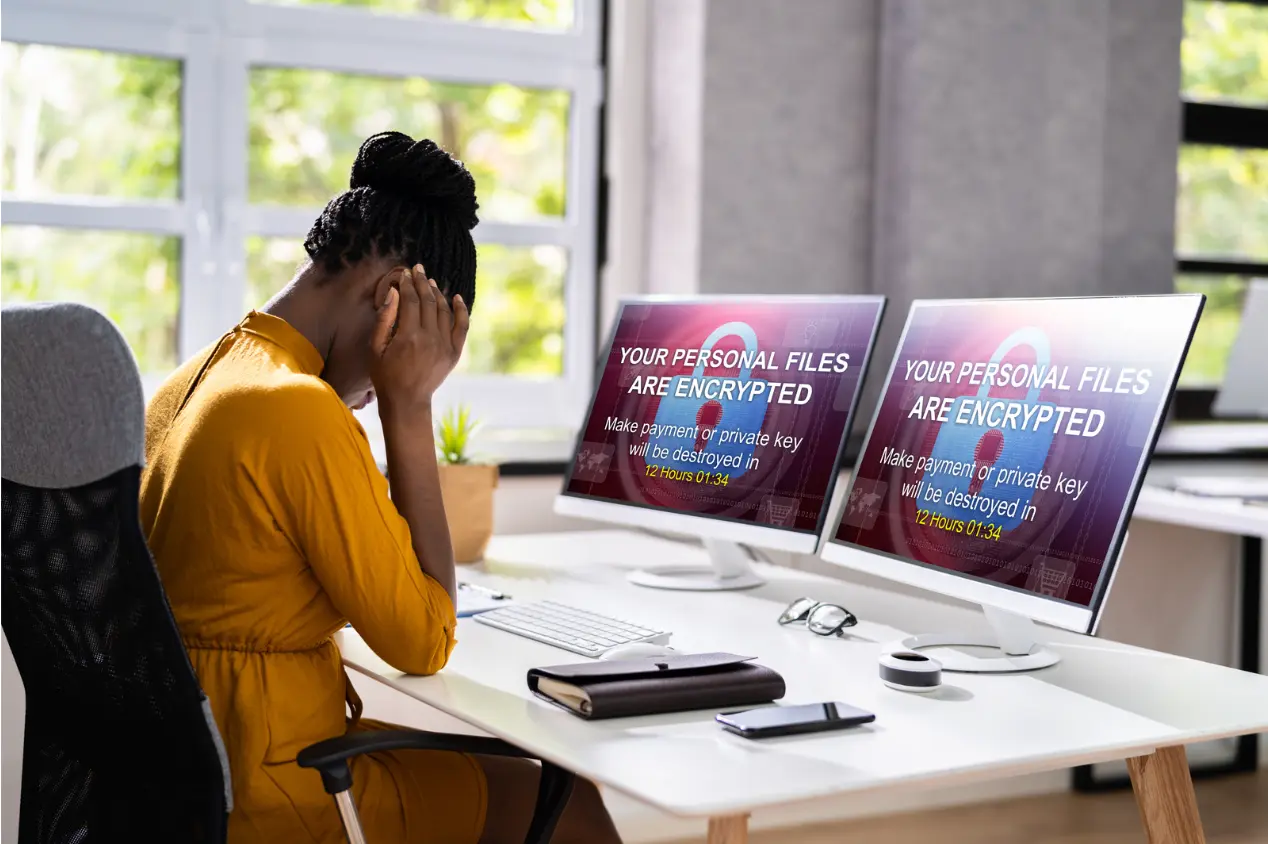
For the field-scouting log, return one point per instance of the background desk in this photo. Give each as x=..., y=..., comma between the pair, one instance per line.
x=1104, y=701
x=1157, y=503
x=1224, y=515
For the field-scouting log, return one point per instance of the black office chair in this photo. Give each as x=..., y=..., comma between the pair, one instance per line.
x=120, y=744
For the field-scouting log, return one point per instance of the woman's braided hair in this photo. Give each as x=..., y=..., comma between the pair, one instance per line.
x=408, y=201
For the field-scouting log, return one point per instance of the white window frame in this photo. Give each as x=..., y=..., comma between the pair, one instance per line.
x=219, y=41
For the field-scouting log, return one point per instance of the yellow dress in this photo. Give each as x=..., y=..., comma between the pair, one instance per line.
x=271, y=526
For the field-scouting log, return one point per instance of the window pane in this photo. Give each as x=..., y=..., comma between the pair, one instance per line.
x=131, y=278
x=1221, y=318
x=1223, y=203
x=271, y=263
x=86, y=122
x=546, y=14
x=306, y=127
x=1224, y=56
x=518, y=324
x=517, y=327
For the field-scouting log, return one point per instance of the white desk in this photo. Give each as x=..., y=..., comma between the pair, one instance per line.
x=1159, y=503
x=1104, y=700
x=1246, y=439
x=1224, y=515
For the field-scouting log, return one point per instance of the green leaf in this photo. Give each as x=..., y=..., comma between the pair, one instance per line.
x=454, y=431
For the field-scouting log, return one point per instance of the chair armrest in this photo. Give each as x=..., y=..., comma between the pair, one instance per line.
x=330, y=757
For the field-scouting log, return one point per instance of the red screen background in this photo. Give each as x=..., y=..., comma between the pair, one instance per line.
x=1071, y=537
x=786, y=489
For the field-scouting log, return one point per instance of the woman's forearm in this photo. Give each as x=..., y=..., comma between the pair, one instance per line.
x=415, y=484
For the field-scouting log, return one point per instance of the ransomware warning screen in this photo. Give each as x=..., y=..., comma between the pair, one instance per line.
x=734, y=408
x=1010, y=434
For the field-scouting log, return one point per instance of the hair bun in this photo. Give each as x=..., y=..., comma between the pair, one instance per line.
x=416, y=171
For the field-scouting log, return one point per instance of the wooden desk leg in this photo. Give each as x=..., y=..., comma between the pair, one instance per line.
x=729, y=829
x=1164, y=794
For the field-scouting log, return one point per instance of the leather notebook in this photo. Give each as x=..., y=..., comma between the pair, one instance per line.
x=651, y=685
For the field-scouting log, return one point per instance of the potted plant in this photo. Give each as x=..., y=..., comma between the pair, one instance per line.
x=466, y=485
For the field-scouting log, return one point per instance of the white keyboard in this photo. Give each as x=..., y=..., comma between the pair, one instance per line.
x=579, y=631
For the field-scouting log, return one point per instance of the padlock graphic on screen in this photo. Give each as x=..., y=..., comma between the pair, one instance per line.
x=720, y=414
x=984, y=444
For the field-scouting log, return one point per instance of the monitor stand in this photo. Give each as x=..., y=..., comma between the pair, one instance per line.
x=730, y=568
x=1015, y=636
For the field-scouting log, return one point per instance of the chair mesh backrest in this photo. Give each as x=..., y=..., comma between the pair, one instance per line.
x=118, y=745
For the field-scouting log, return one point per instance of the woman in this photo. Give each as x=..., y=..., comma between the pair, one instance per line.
x=271, y=524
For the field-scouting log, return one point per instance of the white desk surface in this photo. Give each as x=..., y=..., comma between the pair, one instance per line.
x=1213, y=437
x=1156, y=503
x=1103, y=701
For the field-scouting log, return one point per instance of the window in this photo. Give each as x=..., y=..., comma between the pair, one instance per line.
x=1222, y=206
x=306, y=127
x=90, y=123
x=520, y=299
x=130, y=277
x=164, y=159
x=1222, y=198
x=96, y=134
x=521, y=330
x=1222, y=57
x=550, y=14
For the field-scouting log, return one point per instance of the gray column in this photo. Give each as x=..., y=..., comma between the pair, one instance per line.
x=1026, y=148
x=916, y=148
x=674, y=198
x=787, y=144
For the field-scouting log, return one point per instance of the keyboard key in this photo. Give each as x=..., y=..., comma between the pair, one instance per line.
x=579, y=631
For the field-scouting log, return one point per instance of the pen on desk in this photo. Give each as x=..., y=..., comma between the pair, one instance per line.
x=492, y=593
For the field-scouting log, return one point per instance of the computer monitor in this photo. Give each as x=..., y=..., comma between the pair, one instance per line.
x=1005, y=456
x=722, y=417
x=1244, y=393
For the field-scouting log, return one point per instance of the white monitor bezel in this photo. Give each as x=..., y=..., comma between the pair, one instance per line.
x=702, y=525
x=968, y=587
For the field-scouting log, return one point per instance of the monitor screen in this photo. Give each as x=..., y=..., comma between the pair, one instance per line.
x=730, y=407
x=1011, y=437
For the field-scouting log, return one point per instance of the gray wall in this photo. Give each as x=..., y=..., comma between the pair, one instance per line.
x=1026, y=148
x=913, y=148
x=787, y=145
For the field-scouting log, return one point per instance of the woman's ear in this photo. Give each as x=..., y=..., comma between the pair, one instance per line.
x=392, y=278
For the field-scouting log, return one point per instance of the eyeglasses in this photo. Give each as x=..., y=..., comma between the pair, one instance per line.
x=823, y=619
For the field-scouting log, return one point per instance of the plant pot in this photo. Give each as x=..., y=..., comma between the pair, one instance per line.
x=467, y=490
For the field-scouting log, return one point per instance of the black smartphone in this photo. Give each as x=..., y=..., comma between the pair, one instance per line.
x=791, y=720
